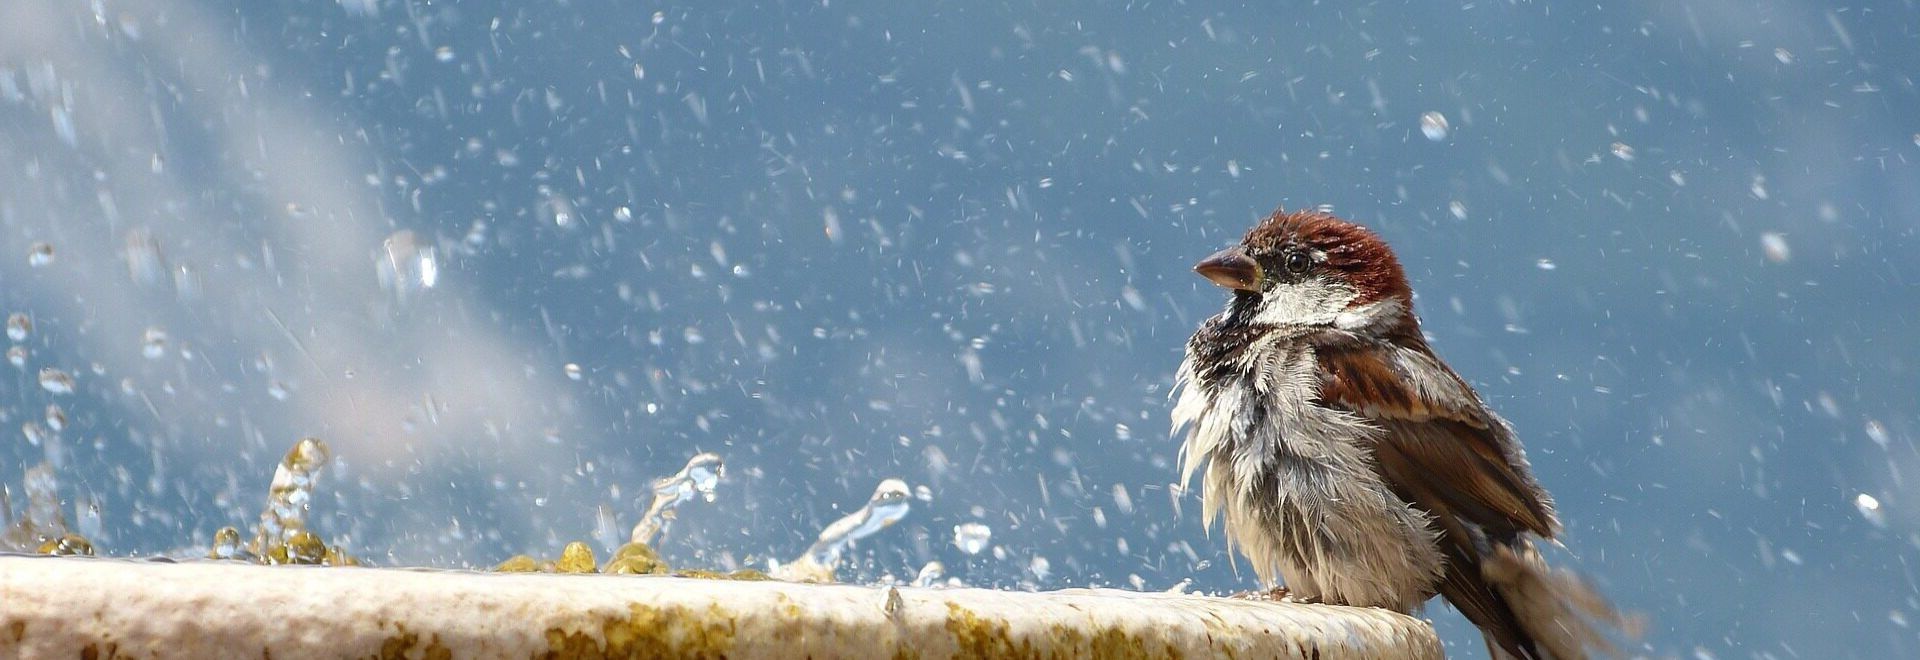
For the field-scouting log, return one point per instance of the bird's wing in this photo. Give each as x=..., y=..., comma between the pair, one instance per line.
x=1441, y=450
x=1437, y=438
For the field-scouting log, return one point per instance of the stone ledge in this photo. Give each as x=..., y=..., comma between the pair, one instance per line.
x=69, y=607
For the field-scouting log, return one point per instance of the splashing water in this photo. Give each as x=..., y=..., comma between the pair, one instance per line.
x=930, y=574
x=291, y=495
x=41, y=520
x=701, y=475
x=890, y=502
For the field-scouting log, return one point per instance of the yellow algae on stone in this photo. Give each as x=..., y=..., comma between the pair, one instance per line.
x=67, y=544
x=670, y=631
x=518, y=564
x=575, y=558
x=406, y=646
x=636, y=559
x=743, y=575
x=984, y=637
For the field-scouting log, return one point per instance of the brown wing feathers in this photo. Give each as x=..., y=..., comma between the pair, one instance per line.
x=1450, y=460
x=1442, y=444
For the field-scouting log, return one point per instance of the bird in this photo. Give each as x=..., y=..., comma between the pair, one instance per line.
x=1351, y=462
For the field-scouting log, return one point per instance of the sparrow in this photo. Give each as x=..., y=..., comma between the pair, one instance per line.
x=1354, y=464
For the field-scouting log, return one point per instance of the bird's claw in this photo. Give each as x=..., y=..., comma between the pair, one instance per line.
x=1278, y=594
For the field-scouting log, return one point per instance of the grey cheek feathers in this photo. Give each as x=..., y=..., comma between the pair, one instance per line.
x=1363, y=317
x=1317, y=301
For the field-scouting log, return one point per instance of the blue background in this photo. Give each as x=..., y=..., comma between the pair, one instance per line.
x=950, y=242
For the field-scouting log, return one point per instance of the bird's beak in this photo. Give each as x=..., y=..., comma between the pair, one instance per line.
x=1231, y=268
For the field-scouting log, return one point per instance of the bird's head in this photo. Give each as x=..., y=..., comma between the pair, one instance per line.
x=1308, y=268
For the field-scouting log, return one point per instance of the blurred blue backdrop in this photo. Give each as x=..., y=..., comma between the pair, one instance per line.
x=514, y=260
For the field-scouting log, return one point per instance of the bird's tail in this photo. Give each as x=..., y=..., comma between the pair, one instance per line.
x=1557, y=614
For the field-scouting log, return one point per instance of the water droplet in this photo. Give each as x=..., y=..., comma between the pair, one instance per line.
x=1783, y=55
x=277, y=390
x=971, y=538
x=145, y=263
x=56, y=417
x=35, y=434
x=1759, y=187
x=1458, y=209
x=226, y=544
x=560, y=211
x=573, y=371
x=153, y=343
x=56, y=381
x=930, y=574
x=17, y=356
x=1545, y=264
x=1677, y=178
x=1774, y=246
x=19, y=325
x=41, y=254
x=1622, y=151
x=831, y=219
x=1877, y=432
x=1869, y=507
x=406, y=265
x=186, y=283
x=1434, y=126
x=1040, y=568
x=623, y=214
x=443, y=53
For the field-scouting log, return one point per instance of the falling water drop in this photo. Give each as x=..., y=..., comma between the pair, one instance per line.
x=1869, y=507
x=56, y=381
x=41, y=254
x=153, y=343
x=972, y=538
x=1434, y=126
x=406, y=266
x=1774, y=246
x=19, y=325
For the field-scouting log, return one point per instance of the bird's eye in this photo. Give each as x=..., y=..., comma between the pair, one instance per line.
x=1298, y=262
